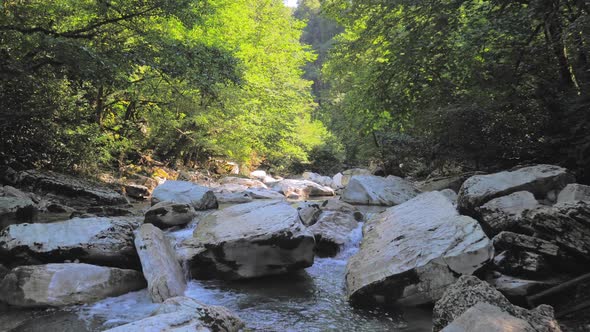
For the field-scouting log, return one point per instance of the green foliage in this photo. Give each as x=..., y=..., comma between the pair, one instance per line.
x=482, y=83
x=93, y=82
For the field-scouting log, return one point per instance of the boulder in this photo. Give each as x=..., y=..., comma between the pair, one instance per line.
x=233, y=198
x=489, y=318
x=301, y=189
x=258, y=174
x=332, y=231
x=16, y=210
x=3, y=271
x=247, y=183
x=309, y=213
x=101, y=241
x=349, y=173
x=317, y=178
x=249, y=240
x=469, y=291
x=257, y=193
x=539, y=180
x=516, y=289
x=340, y=206
x=452, y=182
x=337, y=181
x=70, y=186
x=565, y=224
x=56, y=285
x=159, y=264
x=201, y=198
x=375, y=190
x=168, y=214
x=411, y=252
x=506, y=213
x=137, y=191
x=186, y=314
x=574, y=192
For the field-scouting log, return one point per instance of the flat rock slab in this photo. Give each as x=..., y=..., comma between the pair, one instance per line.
x=201, y=198
x=468, y=291
x=376, y=190
x=488, y=318
x=70, y=186
x=574, y=192
x=186, y=314
x=249, y=240
x=411, y=252
x=506, y=213
x=539, y=180
x=101, y=241
x=56, y=285
x=301, y=189
x=159, y=263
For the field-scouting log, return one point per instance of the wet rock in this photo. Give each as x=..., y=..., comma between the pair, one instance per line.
x=257, y=193
x=249, y=240
x=186, y=314
x=565, y=224
x=574, y=192
x=167, y=214
x=539, y=180
x=488, y=318
x=201, y=198
x=309, y=213
x=412, y=252
x=301, y=189
x=507, y=212
x=469, y=291
x=233, y=198
x=137, y=191
x=159, y=264
x=101, y=241
x=375, y=190
x=350, y=173
x=83, y=191
x=332, y=231
x=16, y=210
x=56, y=285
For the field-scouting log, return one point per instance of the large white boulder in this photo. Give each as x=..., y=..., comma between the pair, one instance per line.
x=249, y=240
x=101, y=241
x=319, y=179
x=539, y=180
x=56, y=285
x=376, y=190
x=301, y=189
x=412, y=252
x=159, y=264
x=182, y=314
x=201, y=198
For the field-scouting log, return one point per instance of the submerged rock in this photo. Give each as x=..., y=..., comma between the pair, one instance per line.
x=168, y=214
x=301, y=189
x=56, y=285
x=539, y=180
x=469, y=291
x=375, y=190
x=101, y=241
x=411, y=252
x=507, y=212
x=159, y=264
x=186, y=314
x=249, y=240
x=201, y=198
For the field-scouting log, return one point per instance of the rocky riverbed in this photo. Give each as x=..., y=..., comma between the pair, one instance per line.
x=353, y=252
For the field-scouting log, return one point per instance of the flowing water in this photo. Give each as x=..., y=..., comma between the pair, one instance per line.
x=312, y=300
